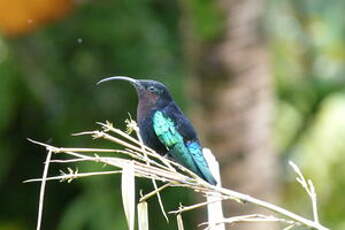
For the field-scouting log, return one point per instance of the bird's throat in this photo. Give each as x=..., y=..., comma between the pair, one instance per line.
x=147, y=104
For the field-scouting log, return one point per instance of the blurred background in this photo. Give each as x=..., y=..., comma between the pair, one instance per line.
x=263, y=82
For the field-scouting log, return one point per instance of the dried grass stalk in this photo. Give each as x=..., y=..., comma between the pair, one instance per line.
x=146, y=163
x=143, y=216
x=128, y=194
x=179, y=222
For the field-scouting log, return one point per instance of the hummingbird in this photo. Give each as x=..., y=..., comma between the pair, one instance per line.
x=164, y=128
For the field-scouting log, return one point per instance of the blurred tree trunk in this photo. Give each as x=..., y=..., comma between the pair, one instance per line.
x=230, y=86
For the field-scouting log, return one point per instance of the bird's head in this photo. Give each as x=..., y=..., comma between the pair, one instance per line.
x=149, y=90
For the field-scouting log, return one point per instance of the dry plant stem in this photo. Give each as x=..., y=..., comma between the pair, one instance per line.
x=136, y=129
x=147, y=171
x=137, y=156
x=314, y=201
x=85, y=150
x=109, y=127
x=160, y=200
x=146, y=150
x=142, y=162
x=143, y=216
x=179, y=222
x=128, y=194
x=273, y=208
x=308, y=186
x=42, y=190
x=141, y=169
x=214, y=209
x=72, y=176
x=253, y=218
x=99, y=134
x=154, y=192
x=192, y=207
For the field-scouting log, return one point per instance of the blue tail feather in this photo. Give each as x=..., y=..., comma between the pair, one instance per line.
x=200, y=161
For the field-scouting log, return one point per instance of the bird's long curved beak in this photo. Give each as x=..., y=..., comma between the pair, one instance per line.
x=123, y=78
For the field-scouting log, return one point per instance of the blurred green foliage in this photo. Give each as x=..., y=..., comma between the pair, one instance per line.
x=206, y=19
x=48, y=90
x=308, y=56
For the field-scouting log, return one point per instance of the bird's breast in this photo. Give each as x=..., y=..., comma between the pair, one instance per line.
x=145, y=123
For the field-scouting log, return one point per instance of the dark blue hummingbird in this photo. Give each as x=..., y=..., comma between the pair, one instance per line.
x=164, y=127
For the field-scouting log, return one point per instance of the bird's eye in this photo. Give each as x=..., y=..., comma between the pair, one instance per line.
x=151, y=89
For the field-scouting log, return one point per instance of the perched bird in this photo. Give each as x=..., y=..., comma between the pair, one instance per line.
x=165, y=129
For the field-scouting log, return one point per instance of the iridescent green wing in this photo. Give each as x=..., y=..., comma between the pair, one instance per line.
x=167, y=133
x=188, y=154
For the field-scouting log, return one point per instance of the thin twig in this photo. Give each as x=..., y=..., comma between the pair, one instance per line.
x=273, y=208
x=313, y=201
x=194, y=206
x=252, y=218
x=154, y=192
x=42, y=190
x=308, y=186
x=108, y=126
x=69, y=177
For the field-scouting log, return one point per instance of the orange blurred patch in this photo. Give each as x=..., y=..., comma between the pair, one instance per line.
x=18, y=17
